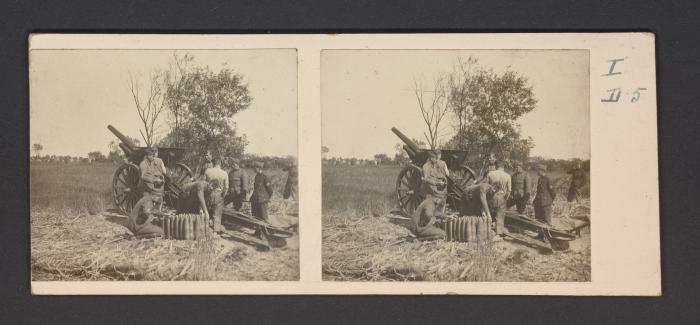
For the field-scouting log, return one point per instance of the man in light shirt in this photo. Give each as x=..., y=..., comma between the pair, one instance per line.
x=218, y=183
x=435, y=175
x=500, y=182
x=152, y=173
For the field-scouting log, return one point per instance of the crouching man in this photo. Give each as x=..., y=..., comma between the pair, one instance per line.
x=423, y=219
x=201, y=197
x=142, y=222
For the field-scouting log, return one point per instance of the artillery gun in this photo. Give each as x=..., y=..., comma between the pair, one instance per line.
x=126, y=183
x=410, y=194
x=409, y=182
x=127, y=190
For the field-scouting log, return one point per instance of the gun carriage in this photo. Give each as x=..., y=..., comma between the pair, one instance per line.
x=127, y=190
x=409, y=182
x=126, y=183
x=410, y=194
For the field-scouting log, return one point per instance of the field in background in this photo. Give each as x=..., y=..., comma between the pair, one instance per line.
x=74, y=237
x=361, y=243
x=371, y=190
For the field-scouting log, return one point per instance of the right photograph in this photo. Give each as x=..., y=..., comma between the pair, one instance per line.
x=456, y=165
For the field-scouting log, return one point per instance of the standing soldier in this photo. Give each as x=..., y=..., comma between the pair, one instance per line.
x=435, y=175
x=262, y=191
x=578, y=178
x=290, y=188
x=544, y=197
x=500, y=181
x=238, y=182
x=520, y=194
x=218, y=185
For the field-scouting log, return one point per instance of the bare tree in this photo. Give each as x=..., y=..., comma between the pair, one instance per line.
x=433, y=109
x=148, y=106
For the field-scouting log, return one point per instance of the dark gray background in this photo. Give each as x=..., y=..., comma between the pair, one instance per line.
x=676, y=26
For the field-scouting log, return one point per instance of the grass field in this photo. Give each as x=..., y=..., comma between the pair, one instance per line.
x=361, y=244
x=73, y=237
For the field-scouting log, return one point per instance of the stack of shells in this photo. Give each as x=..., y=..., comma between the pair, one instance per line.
x=185, y=227
x=469, y=229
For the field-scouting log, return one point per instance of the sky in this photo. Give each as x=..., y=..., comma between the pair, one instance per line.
x=366, y=92
x=75, y=94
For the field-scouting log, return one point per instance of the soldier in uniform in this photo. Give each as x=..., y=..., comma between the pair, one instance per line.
x=152, y=173
x=262, y=191
x=544, y=197
x=142, y=222
x=520, y=193
x=500, y=181
x=238, y=185
x=290, y=188
x=218, y=186
x=476, y=201
x=578, y=179
x=423, y=219
x=435, y=175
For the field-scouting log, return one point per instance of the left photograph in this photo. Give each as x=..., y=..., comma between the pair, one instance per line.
x=163, y=165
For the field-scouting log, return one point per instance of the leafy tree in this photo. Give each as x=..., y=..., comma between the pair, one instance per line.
x=206, y=102
x=324, y=151
x=486, y=106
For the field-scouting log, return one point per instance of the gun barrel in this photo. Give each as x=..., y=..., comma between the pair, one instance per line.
x=405, y=139
x=126, y=149
x=409, y=151
x=122, y=138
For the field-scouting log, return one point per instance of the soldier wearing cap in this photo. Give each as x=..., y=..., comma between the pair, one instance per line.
x=520, y=192
x=290, y=189
x=152, y=173
x=501, y=187
x=218, y=187
x=262, y=191
x=238, y=182
x=544, y=197
x=435, y=175
x=578, y=179
x=423, y=219
x=142, y=221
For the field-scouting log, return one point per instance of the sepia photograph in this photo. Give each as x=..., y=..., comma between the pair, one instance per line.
x=163, y=165
x=456, y=165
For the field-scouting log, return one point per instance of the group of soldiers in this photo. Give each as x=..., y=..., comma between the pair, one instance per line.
x=209, y=191
x=491, y=196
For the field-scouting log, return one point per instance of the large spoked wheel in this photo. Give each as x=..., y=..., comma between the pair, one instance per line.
x=461, y=178
x=408, y=189
x=125, y=187
x=178, y=176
